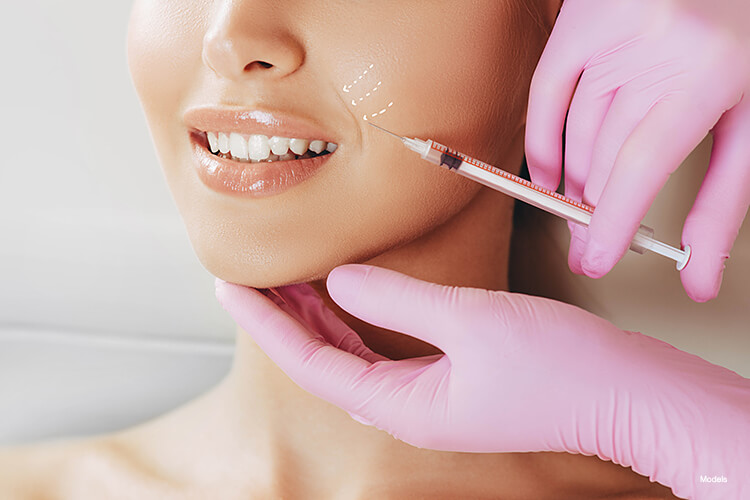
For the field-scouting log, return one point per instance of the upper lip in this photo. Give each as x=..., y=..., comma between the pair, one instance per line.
x=254, y=121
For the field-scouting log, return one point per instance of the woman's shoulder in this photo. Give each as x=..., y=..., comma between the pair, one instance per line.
x=65, y=469
x=579, y=476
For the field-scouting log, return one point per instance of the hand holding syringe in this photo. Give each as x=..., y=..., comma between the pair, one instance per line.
x=532, y=194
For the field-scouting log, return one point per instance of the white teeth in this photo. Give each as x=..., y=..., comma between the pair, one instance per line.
x=223, y=143
x=213, y=142
x=317, y=146
x=259, y=147
x=299, y=146
x=238, y=146
x=279, y=145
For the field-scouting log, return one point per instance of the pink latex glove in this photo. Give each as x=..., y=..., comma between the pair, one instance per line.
x=519, y=374
x=655, y=77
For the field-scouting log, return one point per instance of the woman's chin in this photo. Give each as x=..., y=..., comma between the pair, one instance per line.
x=268, y=275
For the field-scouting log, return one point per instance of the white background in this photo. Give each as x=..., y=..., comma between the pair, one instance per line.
x=107, y=318
x=89, y=236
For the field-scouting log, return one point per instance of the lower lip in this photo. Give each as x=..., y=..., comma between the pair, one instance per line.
x=251, y=180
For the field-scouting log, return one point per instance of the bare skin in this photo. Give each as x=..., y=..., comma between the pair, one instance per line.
x=257, y=434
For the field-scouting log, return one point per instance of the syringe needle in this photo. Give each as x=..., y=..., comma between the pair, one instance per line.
x=386, y=131
x=416, y=145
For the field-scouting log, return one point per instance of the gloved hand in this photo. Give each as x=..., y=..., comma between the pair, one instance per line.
x=519, y=374
x=655, y=77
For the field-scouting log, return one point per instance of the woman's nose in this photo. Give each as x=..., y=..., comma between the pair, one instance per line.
x=249, y=39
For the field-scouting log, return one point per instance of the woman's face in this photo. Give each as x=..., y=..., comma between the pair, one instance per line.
x=456, y=72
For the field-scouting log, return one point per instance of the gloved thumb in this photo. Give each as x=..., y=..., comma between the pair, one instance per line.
x=395, y=301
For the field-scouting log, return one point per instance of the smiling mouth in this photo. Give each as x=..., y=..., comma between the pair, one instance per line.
x=258, y=148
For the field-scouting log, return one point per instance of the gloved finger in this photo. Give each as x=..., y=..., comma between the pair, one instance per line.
x=303, y=355
x=418, y=308
x=721, y=205
x=631, y=103
x=304, y=303
x=626, y=110
x=281, y=302
x=643, y=165
x=552, y=87
x=587, y=112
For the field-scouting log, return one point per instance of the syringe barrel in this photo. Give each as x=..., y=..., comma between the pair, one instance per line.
x=511, y=185
x=541, y=198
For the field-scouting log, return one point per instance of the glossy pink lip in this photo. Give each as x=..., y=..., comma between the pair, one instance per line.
x=248, y=122
x=251, y=179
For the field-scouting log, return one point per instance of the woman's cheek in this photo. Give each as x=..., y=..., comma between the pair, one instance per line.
x=163, y=53
x=407, y=196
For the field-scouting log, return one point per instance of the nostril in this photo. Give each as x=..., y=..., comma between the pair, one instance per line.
x=261, y=64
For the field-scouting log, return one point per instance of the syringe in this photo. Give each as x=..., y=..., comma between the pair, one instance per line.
x=535, y=195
